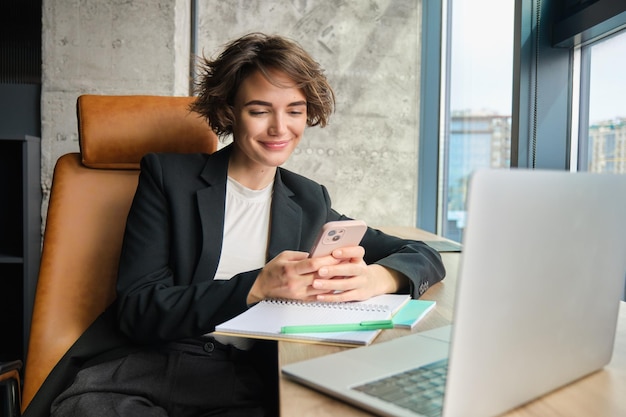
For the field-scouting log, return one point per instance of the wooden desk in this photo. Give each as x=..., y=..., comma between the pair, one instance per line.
x=600, y=394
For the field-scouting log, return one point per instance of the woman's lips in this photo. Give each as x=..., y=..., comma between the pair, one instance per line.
x=278, y=145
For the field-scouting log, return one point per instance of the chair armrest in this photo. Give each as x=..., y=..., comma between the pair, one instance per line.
x=10, y=388
x=7, y=368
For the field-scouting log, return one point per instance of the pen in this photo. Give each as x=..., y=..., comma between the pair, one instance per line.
x=347, y=327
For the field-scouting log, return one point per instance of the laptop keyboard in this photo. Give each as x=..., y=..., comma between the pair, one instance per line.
x=420, y=389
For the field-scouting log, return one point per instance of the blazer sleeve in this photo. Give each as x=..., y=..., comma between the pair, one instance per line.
x=420, y=263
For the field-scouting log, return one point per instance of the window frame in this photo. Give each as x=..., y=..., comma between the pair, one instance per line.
x=433, y=86
x=550, y=106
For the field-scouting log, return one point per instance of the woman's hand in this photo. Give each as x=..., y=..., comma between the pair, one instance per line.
x=352, y=279
x=343, y=276
x=289, y=275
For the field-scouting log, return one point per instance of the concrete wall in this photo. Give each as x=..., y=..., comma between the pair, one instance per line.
x=106, y=47
x=366, y=157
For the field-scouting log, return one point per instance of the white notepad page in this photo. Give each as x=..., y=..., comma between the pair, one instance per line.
x=265, y=319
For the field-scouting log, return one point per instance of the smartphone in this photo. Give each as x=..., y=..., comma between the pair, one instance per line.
x=338, y=234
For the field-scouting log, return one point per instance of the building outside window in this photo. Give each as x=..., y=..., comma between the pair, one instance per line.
x=606, y=134
x=478, y=128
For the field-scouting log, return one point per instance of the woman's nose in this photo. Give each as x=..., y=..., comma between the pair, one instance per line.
x=277, y=126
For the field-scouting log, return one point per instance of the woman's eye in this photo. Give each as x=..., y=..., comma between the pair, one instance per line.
x=257, y=112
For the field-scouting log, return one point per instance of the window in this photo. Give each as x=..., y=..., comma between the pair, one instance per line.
x=602, y=143
x=478, y=118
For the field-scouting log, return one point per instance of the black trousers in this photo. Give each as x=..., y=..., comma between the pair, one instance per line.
x=195, y=377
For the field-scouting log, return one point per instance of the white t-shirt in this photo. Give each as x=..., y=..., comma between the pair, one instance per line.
x=246, y=229
x=246, y=235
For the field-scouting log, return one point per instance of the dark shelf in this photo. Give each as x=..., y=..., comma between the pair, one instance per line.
x=20, y=239
x=8, y=259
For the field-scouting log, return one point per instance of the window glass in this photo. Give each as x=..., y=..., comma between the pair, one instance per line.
x=478, y=132
x=606, y=141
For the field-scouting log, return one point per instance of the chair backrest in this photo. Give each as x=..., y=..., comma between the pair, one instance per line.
x=89, y=201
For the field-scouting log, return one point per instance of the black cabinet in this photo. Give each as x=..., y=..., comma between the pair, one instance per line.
x=20, y=240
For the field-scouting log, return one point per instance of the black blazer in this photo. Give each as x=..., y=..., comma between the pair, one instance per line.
x=171, y=250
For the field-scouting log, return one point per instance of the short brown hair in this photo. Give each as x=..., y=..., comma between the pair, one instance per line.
x=219, y=80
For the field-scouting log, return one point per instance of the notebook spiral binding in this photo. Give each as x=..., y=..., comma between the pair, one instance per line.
x=327, y=305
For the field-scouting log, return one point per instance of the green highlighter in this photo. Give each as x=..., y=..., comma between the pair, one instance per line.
x=347, y=327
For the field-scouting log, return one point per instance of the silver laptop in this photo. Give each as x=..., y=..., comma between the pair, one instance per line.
x=542, y=273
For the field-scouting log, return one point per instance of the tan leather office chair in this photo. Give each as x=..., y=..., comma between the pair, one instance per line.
x=89, y=201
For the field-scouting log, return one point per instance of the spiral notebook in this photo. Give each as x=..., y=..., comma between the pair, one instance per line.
x=265, y=319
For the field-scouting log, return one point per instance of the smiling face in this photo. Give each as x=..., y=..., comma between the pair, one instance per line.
x=270, y=119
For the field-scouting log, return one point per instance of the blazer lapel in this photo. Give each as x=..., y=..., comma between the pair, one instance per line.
x=286, y=221
x=211, y=201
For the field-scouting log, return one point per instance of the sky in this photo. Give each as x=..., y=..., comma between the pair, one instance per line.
x=607, y=83
x=482, y=61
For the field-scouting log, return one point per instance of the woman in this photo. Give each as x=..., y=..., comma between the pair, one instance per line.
x=209, y=235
